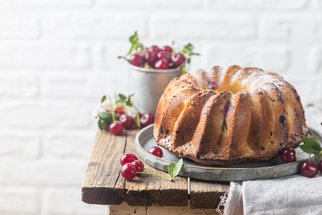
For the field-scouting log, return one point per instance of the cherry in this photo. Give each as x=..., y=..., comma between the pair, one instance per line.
x=177, y=59
x=128, y=171
x=147, y=119
x=119, y=110
x=154, y=48
x=128, y=121
x=166, y=49
x=139, y=166
x=137, y=60
x=151, y=57
x=163, y=54
x=116, y=128
x=162, y=64
x=128, y=158
x=308, y=168
x=288, y=155
x=320, y=166
x=156, y=151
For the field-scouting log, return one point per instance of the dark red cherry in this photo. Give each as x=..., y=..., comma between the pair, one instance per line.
x=288, y=155
x=154, y=48
x=127, y=121
x=162, y=64
x=137, y=60
x=128, y=171
x=128, y=158
x=166, y=49
x=156, y=151
x=151, y=58
x=147, y=119
x=177, y=59
x=116, y=128
x=308, y=168
x=139, y=166
x=163, y=54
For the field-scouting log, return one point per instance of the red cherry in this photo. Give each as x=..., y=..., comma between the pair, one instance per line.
x=162, y=64
x=128, y=171
x=166, y=49
x=119, y=110
x=116, y=128
x=137, y=60
x=147, y=119
x=128, y=158
x=163, y=54
x=320, y=166
x=177, y=59
x=139, y=166
x=154, y=48
x=151, y=57
x=156, y=151
x=128, y=121
x=308, y=168
x=288, y=155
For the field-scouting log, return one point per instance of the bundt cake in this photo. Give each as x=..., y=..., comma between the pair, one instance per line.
x=229, y=116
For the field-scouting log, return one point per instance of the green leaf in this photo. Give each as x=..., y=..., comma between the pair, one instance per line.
x=308, y=149
x=311, y=146
x=102, y=124
x=171, y=167
x=105, y=117
x=135, y=43
x=103, y=98
x=177, y=167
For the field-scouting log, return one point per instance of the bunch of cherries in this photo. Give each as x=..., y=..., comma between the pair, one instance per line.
x=126, y=121
x=132, y=167
x=308, y=168
x=115, y=119
x=157, y=58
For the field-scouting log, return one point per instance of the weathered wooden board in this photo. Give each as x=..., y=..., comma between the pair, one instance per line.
x=153, y=190
x=206, y=195
x=103, y=171
x=104, y=185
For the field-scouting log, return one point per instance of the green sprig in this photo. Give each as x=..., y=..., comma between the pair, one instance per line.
x=311, y=146
x=135, y=43
x=175, y=168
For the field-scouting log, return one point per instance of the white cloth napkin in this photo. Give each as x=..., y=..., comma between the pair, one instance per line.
x=296, y=195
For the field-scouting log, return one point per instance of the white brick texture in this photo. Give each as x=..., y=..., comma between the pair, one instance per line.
x=57, y=57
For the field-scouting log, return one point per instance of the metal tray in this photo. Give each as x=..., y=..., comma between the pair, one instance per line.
x=247, y=171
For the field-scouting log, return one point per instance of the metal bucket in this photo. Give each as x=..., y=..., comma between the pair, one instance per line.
x=147, y=85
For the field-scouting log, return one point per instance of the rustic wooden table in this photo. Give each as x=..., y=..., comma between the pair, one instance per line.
x=145, y=195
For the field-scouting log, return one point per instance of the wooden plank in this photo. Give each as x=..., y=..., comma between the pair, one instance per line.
x=206, y=195
x=153, y=190
x=103, y=184
x=156, y=210
x=103, y=171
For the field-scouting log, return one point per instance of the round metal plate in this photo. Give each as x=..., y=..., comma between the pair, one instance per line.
x=247, y=171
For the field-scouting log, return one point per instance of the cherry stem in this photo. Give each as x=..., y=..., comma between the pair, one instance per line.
x=113, y=110
x=122, y=57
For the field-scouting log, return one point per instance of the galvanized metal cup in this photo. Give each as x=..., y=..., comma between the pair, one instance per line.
x=147, y=85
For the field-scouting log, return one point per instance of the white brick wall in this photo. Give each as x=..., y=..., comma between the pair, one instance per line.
x=57, y=57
